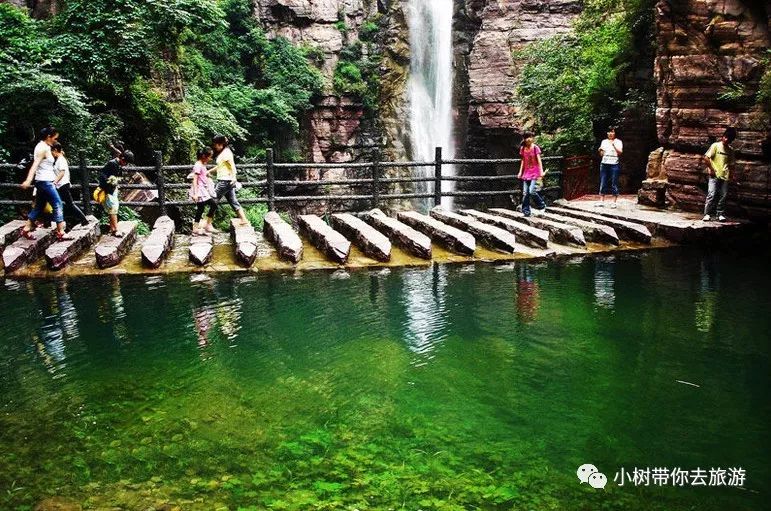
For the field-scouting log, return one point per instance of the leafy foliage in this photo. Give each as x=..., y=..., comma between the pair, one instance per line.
x=571, y=84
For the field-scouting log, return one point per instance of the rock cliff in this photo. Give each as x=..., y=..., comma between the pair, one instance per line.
x=710, y=59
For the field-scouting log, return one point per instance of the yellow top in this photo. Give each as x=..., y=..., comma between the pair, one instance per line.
x=226, y=165
x=722, y=159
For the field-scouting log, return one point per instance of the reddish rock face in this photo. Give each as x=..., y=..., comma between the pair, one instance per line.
x=706, y=47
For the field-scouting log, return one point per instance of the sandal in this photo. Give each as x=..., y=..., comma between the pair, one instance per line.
x=27, y=234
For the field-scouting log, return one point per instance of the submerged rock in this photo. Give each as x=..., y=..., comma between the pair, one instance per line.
x=58, y=504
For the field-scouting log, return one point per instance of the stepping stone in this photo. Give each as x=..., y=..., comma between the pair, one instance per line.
x=245, y=241
x=625, y=230
x=367, y=238
x=526, y=234
x=559, y=233
x=111, y=250
x=77, y=241
x=159, y=243
x=446, y=235
x=592, y=231
x=332, y=243
x=489, y=235
x=24, y=251
x=201, y=248
x=288, y=243
x=10, y=232
x=401, y=234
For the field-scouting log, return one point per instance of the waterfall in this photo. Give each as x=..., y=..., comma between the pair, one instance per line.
x=430, y=88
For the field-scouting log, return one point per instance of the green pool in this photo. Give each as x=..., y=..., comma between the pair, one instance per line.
x=447, y=388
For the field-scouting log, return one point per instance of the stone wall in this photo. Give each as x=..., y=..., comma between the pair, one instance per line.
x=38, y=8
x=706, y=48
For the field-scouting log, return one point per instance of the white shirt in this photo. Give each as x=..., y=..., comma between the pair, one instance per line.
x=610, y=150
x=45, y=169
x=61, y=165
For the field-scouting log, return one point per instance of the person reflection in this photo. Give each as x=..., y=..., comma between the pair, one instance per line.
x=604, y=283
x=528, y=293
x=706, y=304
x=425, y=307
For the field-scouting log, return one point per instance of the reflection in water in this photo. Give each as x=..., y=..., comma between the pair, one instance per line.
x=528, y=293
x=604, y=283
x=706, y=305
x=60, y=324
x=425, y=307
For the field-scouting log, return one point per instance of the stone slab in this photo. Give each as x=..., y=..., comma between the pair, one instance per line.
x=626, y=230
x=10, y=232
x=333, y=244
x=24, y=251
x=77, y=241
x=593, y=232
x=110, y=250
x=244, y=241
x=558, y=233
x=371, y=241
x=201, y=248
x=487, y=234
x=526, y=234
x=446, y=235
x=159, y=243
x=400, y=234
x=287, y=241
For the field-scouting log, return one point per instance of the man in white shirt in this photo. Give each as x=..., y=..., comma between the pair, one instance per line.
x=610, y=150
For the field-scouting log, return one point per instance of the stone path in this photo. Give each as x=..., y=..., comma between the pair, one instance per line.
x=244, y=241
x=287, y=241
x=439, y=232
x=75, y=243
x=489, y=235
x=201, y=248
x=111, y=250
x=526, y=234
x=325, y=238
x=371, y=241
x=559, y=233
x=401, y=234
x=160, y=242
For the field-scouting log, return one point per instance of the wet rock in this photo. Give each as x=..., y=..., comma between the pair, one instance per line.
x=526, y=234
x=489, y=235
x=159, y=243
x=325, y=238
x=367, y=238
x=400, y=234
x=626, y=230
x=24, y=251
x=288, y=243
x=58, y=504
x=446, y=235
x=245, y=241
x=594, y=232
x=10, y=232
x=201, y=248
x=61, y=253
x=559, y=233
x=111, y=250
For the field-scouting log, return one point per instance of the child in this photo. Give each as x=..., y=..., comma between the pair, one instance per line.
x=530, y=171
x=202, y=193
x=62, y=182
x=720, y=160
x=108, y=182
x=226, y=176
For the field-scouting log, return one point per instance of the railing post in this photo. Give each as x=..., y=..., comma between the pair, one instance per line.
x=159, y=182
x=376, y=180
x=561, y=180
x=438, y=177
x=85, y=191
x=271, y=180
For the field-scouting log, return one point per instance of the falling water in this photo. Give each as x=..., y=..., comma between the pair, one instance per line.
x=430, y=87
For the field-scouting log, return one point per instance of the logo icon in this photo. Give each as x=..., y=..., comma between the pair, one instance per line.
x=588, y=473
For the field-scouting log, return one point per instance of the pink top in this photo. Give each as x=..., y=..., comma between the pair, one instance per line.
x=202, y=180
x=530, y=168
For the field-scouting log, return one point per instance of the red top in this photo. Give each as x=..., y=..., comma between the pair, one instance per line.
x=530, y=168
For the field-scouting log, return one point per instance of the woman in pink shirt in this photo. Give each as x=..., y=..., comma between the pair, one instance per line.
x=530, y=171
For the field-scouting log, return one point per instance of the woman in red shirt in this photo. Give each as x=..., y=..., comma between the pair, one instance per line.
x=530, y=171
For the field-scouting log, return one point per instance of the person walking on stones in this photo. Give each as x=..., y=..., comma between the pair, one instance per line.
x=107, y=193
x=610, y=150
x=720, y=159
x=62, y=182
x=202, y=193
x=530, y=171
x=226, y=176
x=42, y=171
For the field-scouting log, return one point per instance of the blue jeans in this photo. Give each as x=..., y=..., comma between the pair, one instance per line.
x=717, y=191
x=609, y=176
x=47, y=193
x=528, y=190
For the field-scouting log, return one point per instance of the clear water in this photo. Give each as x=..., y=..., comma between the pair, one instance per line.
x=429, y=88
x=447, y=388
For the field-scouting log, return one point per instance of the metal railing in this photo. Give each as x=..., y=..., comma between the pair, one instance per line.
x=375, y=189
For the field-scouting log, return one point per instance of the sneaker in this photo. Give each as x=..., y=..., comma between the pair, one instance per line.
x=721, y=218
x=706, y=218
